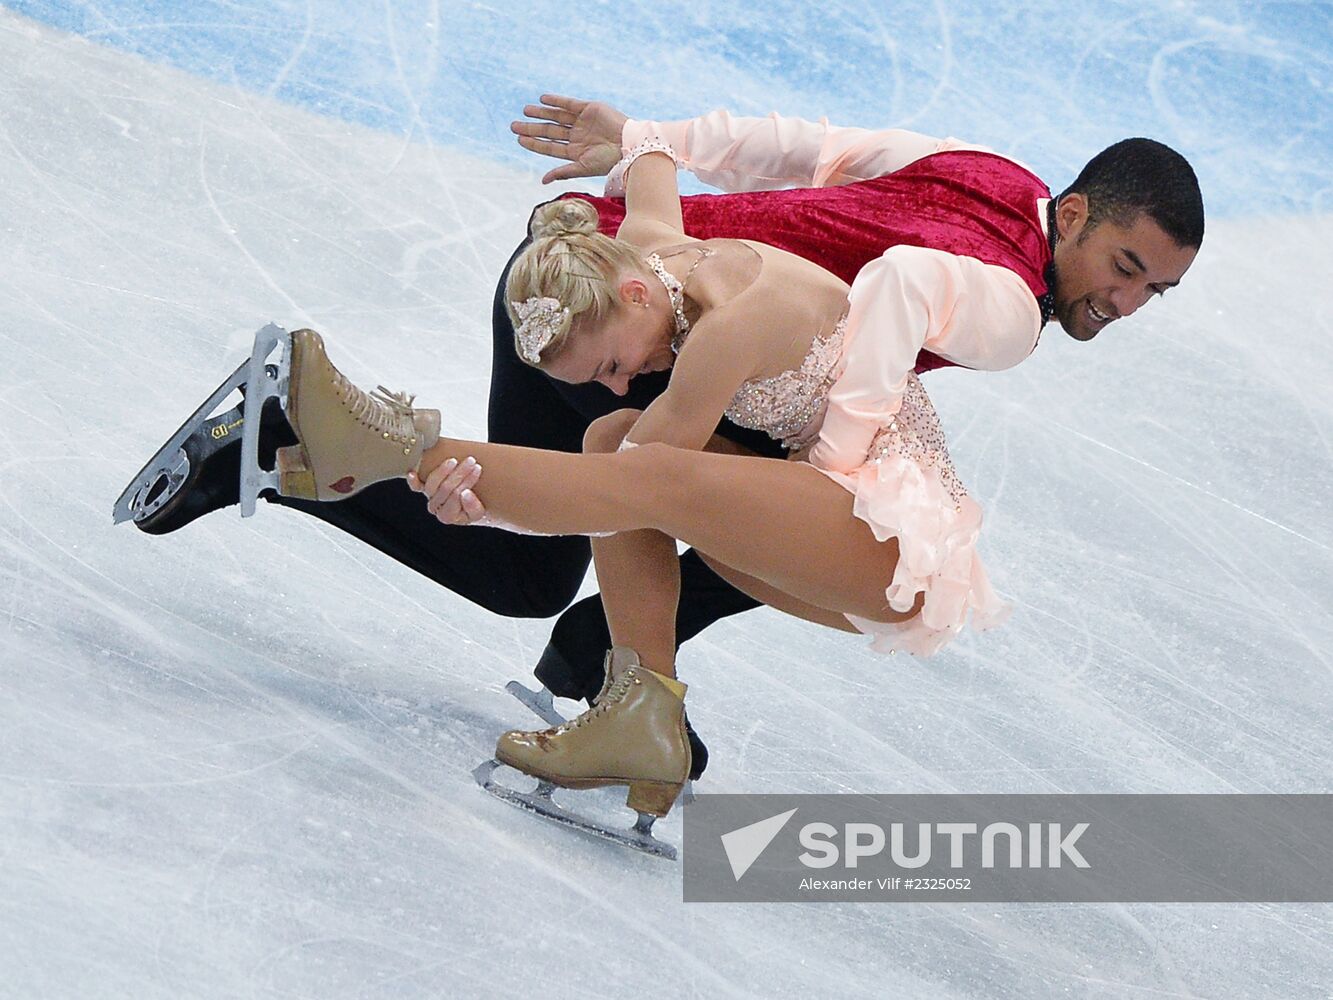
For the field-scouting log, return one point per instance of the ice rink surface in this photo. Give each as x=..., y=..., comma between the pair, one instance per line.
x=234, y=762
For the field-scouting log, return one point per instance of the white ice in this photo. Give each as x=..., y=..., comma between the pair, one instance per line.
x=234, y=762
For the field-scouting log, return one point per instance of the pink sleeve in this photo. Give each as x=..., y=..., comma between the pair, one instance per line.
x=977, y=315
x=758, y=154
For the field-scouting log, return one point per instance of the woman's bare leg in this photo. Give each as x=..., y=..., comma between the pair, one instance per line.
x=776, y=599
x=638, y=572
x=781, y=522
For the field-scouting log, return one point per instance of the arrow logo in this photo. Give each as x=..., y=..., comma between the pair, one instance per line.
x=744, y=846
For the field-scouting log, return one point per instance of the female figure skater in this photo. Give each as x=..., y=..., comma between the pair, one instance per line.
x=865, y=526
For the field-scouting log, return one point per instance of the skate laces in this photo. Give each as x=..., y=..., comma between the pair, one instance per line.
x=381, y=410
x=399, y=402
x=606, y=686
x=613, y=694
x=394, y=409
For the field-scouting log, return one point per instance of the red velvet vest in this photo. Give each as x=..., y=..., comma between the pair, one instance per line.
x=964, y=202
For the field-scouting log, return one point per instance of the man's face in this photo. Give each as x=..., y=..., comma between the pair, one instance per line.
x=1108, y=270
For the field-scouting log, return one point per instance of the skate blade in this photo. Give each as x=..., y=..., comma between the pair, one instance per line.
x=158, y=481
x=265, y=380
x=638, y=838
x=542, y=704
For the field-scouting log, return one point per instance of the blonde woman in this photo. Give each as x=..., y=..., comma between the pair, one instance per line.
x=868, y=529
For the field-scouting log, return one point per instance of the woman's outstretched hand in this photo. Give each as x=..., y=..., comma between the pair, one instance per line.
x=587, y=133
x=448, y=491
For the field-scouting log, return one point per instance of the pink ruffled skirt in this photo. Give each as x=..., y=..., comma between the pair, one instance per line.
x=908, y=490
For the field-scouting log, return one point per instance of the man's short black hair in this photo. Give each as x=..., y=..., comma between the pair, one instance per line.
x=1143, y=175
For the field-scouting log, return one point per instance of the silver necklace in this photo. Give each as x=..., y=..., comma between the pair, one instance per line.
x=676, y=293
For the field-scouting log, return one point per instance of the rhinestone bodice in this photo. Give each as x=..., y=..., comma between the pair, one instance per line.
x=785, y=405
x=914, y=432
x=790, y=407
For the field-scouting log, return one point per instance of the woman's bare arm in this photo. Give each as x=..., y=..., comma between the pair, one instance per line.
x=652, y=199
x=723, y=351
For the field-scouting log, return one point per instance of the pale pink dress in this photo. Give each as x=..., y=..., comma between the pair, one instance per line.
x=905, y=487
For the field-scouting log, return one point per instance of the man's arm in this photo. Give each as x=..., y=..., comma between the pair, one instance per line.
x=760, y=154
x=734, y=154
x=973, y=314
x=586, y=133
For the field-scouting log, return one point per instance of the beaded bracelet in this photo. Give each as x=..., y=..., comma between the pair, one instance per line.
x=615, y=180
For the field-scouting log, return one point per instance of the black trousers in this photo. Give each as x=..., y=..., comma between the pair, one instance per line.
x=522, y=576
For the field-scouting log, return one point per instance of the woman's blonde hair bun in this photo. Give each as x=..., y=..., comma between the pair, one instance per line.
x=566, y=217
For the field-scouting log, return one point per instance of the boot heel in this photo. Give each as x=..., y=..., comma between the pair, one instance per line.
x=295, y=479
x=653, y=797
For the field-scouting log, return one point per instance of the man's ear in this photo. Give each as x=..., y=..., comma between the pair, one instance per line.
x=1071, y=215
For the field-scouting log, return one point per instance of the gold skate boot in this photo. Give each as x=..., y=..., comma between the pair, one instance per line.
x=349, y=439
x=634, y=735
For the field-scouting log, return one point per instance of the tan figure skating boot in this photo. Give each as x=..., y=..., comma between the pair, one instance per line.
x=349, y=439
x=634, y=735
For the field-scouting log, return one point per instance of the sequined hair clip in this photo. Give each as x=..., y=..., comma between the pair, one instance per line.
x=539, y=320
